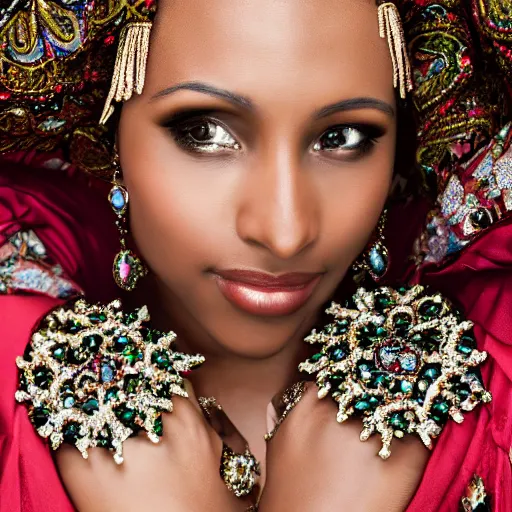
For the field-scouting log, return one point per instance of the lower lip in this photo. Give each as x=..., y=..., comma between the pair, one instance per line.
x=266, y=301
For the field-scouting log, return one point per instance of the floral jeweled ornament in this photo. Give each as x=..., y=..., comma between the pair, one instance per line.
x=95, y=376
x=403, y=360
x=239, y=471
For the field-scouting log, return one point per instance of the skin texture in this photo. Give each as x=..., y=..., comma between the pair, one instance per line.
x=273, y=203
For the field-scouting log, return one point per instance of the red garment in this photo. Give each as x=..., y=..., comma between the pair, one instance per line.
x=70, y=220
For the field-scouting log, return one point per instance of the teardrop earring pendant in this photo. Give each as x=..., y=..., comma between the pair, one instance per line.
x=375, y=260
x=127, y=268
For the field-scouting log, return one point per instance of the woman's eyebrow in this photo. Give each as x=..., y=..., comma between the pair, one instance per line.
x=209, y=89
x=246, y=103
x=356, y=104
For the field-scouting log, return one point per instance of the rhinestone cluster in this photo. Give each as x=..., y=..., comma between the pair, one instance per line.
x=239, y=471
x=95, y=376
x=403, y=360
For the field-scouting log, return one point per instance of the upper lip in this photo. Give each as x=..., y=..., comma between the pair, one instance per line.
x=265, y=280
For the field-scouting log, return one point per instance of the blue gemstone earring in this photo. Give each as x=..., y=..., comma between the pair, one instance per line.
x=375, y=259
x=128, y=268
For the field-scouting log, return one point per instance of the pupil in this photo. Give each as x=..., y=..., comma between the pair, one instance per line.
x=334, y=139
x=202, y=132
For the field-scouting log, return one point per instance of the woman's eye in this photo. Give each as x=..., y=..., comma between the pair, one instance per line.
x=203, y=135
x=345, y=139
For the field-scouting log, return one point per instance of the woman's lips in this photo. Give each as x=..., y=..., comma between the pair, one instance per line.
x=265, y=294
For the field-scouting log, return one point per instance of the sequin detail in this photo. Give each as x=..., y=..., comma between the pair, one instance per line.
x=56, y=64
x=24, y=268
x=476, y=499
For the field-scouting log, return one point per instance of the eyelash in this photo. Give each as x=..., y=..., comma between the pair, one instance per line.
x=182, y=126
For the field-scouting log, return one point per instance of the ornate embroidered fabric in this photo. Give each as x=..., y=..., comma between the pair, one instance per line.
x=23, y=268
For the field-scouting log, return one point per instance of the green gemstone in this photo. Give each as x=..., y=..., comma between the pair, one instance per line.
x=104, y=439
x=463, y=349
x=417, y=338
x=338, y=355
x=131, y=384
x=161, y=359
x=111, y=394
x=432, y=373
x=73, y=326
x=463, y=394
x=316, y=357
x=159, y=427
x=398, y=421
x=381, y=332
x=406, y=386
x=383, y=380
x=362, y=405
x=43, y=378
x=127, y=416
x=71, y=432
x=59, y=353
x=131, y=353
x=152, y=336
x=374, y=402
x=430, y=309
x=90, y=406
x=132, y=317
x=92, y=342
x=97, y=318
x=441, y=407
x=40, y=416
x=402, y=325
x=120, y=343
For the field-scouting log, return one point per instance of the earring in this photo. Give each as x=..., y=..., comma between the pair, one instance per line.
x=375, y=260
x=128, y=268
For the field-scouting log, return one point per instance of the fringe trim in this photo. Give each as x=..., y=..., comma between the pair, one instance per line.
x=390, y=27
x=130, y=68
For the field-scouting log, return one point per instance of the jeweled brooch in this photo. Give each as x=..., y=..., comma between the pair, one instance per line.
x=403, y=360
x=93, y=376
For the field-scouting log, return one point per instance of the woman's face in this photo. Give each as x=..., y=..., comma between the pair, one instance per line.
x=263, y=144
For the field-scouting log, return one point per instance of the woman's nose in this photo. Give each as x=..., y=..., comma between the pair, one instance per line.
x=279, y=207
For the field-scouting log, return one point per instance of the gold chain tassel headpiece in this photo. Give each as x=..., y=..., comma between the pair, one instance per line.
x=130, y=68
x=390, y=27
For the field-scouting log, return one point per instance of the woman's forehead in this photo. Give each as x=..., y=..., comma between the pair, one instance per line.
x=278, y=42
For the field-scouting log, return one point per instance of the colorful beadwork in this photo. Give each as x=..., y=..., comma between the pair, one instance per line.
x=462, y=60
x=57, y=59
x=402, y=360
x=24, y=267
x=95, y=376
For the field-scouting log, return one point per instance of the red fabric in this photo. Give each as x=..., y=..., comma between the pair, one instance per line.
x=29, y=481
x=69, y=218
x=480, y=282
